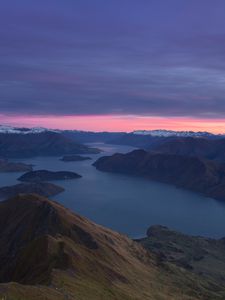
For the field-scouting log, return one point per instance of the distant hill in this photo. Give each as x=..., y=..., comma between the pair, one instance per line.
x=91, y=137
x=139, y=140
x=48, y=252
x=207, y=148
x=192, y=173
x=45, y=143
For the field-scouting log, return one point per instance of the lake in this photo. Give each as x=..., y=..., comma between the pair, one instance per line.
x=129, y=204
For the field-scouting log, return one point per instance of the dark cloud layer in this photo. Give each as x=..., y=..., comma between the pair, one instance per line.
x=146, y=57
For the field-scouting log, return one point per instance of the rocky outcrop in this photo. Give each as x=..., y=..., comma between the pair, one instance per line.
x=200, y=255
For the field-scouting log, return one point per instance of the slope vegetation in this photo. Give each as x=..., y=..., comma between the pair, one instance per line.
x=47, y=252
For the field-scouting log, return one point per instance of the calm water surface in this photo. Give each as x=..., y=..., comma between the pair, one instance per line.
x=127, y=204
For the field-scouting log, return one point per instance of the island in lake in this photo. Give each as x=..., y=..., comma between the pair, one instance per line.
x=41, y=188
x=68, y=158
x=7, y=166
x=44, y=175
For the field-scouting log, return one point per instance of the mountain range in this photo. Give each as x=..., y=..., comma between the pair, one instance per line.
x=172, y=133
x=156, y=132
x=26, y=142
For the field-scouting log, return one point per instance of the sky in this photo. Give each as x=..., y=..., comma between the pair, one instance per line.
x=114, y=65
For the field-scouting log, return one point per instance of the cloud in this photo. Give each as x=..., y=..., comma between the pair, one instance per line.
x=145, y=58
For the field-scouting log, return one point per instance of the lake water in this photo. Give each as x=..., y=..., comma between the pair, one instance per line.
x=128, y=204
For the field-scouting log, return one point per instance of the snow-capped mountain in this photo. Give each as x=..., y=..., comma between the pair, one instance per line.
x=169, y=133
x=7, y=129
x=18, y=130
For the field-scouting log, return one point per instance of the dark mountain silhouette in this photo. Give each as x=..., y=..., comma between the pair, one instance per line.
x=207, y=148
x=40, y=144
x=91, y=137
x=139, y=141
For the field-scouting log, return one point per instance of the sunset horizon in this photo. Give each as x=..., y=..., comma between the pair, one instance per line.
x=103, y=66
x=115, y=123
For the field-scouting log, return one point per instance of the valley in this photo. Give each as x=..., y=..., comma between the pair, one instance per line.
x=136, y=202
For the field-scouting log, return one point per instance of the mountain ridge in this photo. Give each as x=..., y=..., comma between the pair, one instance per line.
x=40, y=144
x=51, y=253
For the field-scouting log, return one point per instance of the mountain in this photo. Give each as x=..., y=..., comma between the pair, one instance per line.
x=139, y=140
x=192, y=173
x=23, y=130
x=145, y=139
x=41, y=188
x=78, y=136
x=91, y=137
x=40, y=144
x=48, y=252
x=203, y=256
x=150, y=139
x=44, y=175
x=171, y=133
x=210, y=149
x=6, y=166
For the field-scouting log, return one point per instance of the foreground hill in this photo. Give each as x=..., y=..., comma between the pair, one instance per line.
x=40, y=144
x=192, y=173
x=49, y=253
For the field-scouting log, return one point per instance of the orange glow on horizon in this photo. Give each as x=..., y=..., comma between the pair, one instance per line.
x=116, y=123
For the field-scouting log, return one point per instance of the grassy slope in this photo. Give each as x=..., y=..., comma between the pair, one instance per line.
x=117, y=269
